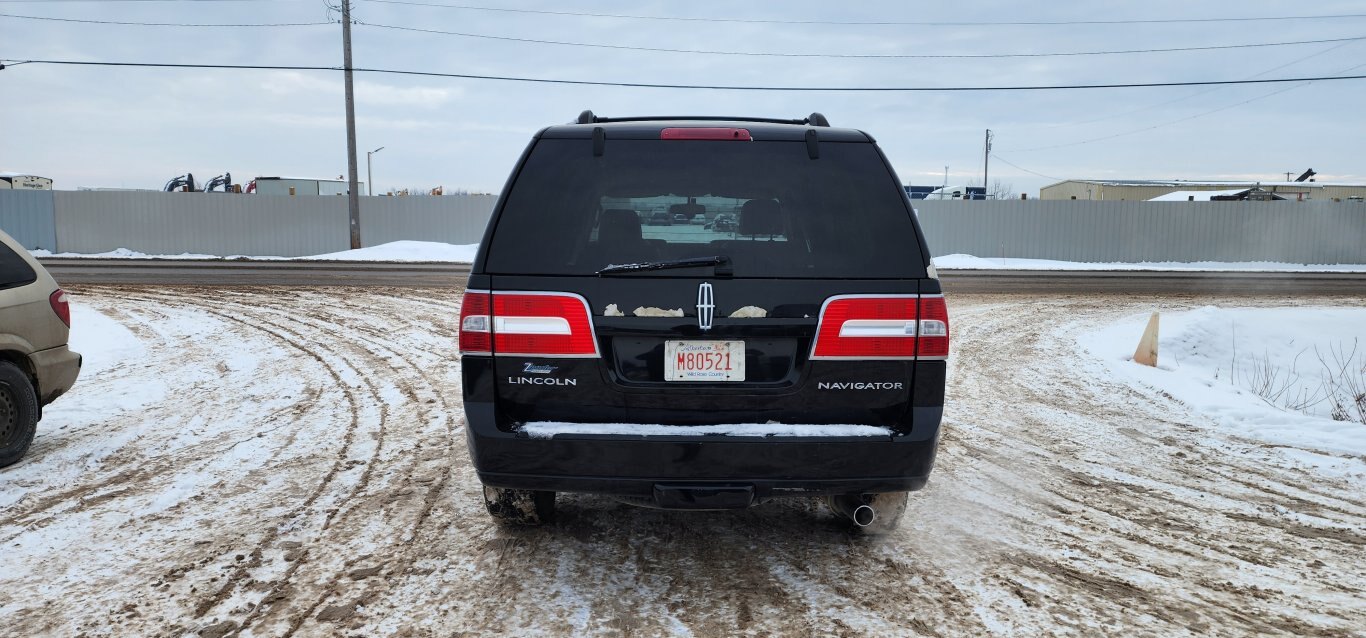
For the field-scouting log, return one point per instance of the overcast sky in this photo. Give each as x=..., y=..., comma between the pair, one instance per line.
x=137, y=128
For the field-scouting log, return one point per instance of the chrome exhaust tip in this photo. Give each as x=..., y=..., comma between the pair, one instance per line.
x=853, y=508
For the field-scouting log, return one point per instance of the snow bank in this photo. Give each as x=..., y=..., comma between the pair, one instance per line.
x=968, y=262
x=101, y=341
x=407, y=251
x=1211, y=358
x=548, y=429
x=124, y=253
x=392, y=251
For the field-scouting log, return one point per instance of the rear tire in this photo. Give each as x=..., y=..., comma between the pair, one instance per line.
x=18, y=413
x=519, y=507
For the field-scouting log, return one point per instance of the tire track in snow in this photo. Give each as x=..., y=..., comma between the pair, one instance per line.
x=295, y=340
x=143, y=474
x=372, y=348
x=339, y=465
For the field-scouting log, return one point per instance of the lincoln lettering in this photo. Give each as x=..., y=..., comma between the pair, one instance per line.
x=860, y=385
x=541, y=381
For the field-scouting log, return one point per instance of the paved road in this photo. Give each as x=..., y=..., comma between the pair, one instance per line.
x=339, y=273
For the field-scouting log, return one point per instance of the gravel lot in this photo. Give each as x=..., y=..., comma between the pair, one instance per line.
x=290, y=461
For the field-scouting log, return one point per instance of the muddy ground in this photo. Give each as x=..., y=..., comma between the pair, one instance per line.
x=281, y=462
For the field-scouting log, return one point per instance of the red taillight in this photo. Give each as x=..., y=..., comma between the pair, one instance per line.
x=475, y=337
x=59, y=300
x=934, y=328
x=882, y=327
x=705, y=133
x=542, y=324
x=547, y=324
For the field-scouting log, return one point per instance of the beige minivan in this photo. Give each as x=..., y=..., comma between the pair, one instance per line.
x=36, y=366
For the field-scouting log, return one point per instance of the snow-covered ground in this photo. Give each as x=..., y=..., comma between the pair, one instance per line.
x=1271, y=373
x=281, y=462
x=969, y=262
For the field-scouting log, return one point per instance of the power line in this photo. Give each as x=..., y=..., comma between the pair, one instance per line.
x=163, y=24
x=714, y=87
x=1056, y=179
x=1162, y=124
x=113, y=1
x=702, y=51
x=858, y=55
x=975, y=23
x=1197, y=93
x=1183, y=119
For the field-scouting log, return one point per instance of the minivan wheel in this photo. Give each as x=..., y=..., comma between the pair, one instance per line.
x=519, y=507
x=887, y=510
x=18, y=413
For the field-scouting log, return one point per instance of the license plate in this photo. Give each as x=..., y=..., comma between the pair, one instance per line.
x=704, y=360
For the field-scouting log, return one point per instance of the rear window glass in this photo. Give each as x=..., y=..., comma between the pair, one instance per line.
x=766, y=206
x=14, y=271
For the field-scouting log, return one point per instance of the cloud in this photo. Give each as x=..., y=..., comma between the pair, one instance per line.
x=470, y=132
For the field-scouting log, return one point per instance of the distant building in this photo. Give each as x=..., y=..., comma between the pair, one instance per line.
x=20, y=181
x=1145, y=190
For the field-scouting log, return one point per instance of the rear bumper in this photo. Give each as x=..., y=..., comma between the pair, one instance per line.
x=56, y=369
x=640, y=466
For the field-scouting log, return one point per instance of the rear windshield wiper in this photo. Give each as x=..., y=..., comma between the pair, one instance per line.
x=693, y=262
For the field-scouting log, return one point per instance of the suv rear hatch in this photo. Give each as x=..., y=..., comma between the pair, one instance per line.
x=598, y=316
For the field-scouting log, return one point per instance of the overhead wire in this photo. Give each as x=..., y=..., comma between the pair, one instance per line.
x=923, y=56
x=927, y=23
x=1056, y=179
x=1196, y=93
x=164, y=24
x=919, y=56
x=1304, y=83
x=716, y=87
x=113, y=1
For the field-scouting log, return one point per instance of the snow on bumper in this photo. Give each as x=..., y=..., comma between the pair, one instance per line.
x=549, y=429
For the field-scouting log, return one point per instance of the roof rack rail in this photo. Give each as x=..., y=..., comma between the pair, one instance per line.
x=815, y=119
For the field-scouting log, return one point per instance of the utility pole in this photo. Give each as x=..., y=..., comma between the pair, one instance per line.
x=986, y=163
x=353, y=189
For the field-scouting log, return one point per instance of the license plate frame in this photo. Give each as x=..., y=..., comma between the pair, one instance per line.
x=702, y=359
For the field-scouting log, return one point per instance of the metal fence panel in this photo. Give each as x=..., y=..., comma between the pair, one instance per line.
x=453, y=219
x=1122, y=231
x=27, y=216
x=1086, y=231
x=203, y=223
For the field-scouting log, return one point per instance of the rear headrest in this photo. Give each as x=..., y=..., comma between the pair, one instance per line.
x=761, y=217
x=619, y=225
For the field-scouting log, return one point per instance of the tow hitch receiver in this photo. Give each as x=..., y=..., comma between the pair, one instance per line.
x=703, y=497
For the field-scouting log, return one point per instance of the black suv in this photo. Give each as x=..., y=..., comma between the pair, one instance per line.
x=801, y=352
